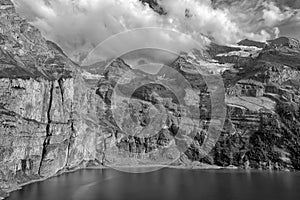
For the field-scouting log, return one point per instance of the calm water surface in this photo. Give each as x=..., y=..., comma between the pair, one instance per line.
x=173, y=184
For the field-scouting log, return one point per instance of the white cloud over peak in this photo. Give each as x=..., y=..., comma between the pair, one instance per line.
x=274, y=15
x=78, y=26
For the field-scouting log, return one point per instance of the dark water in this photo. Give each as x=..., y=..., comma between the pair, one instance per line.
x=173, y=184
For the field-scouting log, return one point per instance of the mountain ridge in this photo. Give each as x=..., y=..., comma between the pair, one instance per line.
x=54, y=120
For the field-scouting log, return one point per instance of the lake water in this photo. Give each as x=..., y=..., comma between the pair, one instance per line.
x=173, y=184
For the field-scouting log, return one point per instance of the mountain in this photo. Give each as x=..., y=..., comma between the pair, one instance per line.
x=263, y=102
x=43, y=99
x=247, y=42
x=57, y=116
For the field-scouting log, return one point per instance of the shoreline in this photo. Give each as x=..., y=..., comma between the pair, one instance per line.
x=115, y=167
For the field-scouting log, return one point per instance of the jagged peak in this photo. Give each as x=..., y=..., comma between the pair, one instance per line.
x=154, y=5
x=120, y=63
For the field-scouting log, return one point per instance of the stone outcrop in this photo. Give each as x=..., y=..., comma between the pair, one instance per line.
x=43, y=129
x=247, y=88
x=284, y=42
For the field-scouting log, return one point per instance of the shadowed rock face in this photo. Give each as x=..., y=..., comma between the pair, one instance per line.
x=155, y=6
x=52, y=119
x=42, y=101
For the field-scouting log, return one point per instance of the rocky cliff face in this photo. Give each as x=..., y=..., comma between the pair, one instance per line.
x=56, y=117
x=262, y=99
x=46, y=111
x=263, y=109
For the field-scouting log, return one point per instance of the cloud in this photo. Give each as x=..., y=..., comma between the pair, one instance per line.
x=78, y=26
x=273, y=14
x=204, y=19
x=165, y=41
x=271, y=18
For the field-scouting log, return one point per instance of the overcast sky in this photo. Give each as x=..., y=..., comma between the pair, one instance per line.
x=78, y=26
